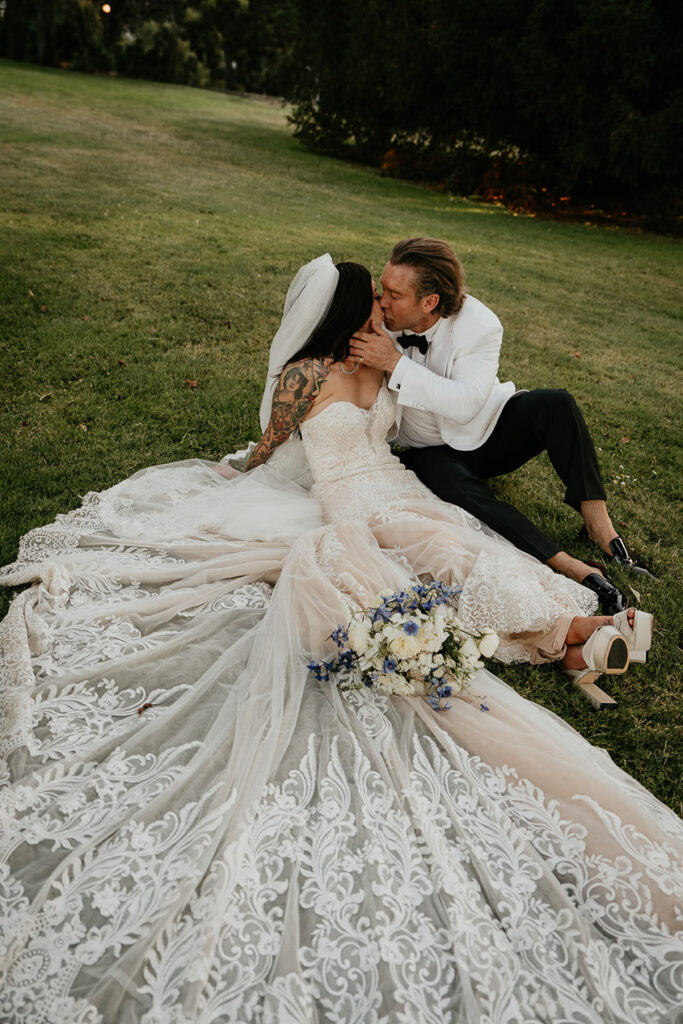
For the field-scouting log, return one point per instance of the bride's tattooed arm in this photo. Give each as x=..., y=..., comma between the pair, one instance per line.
x=298, y=387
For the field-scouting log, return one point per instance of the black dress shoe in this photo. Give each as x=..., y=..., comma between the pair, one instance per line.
x=611, y=599
x=621, y=556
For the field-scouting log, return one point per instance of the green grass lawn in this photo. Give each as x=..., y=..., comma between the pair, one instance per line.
x=147, y=237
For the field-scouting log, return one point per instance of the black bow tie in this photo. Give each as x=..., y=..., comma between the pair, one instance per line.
x=417, y=340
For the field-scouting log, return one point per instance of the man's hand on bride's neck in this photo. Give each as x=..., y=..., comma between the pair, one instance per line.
x=375, y=348
x=296, y=390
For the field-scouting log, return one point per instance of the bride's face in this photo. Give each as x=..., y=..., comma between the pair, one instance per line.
x=374, y=321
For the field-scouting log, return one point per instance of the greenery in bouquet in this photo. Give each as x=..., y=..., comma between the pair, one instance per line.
x=408, y=643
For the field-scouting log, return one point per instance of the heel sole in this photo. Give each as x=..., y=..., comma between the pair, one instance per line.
x=617, y=656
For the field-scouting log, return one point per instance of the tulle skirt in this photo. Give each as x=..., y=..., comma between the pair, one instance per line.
x=195, y=830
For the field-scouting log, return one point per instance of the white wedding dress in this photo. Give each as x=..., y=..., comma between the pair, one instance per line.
x=194, y=830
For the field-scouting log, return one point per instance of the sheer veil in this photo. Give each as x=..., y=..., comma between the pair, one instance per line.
x=308, y=299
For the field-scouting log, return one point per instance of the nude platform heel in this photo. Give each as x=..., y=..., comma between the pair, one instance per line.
x=605, y=651
x=639, y=636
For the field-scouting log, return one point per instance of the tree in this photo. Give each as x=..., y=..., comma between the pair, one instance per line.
x=571, y=97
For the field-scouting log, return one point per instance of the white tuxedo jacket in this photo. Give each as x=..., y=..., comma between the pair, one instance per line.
x=459, y=381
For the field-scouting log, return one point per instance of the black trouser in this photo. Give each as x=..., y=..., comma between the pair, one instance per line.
x=531, y=422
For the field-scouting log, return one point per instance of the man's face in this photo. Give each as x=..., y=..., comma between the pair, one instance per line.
x=401, y=308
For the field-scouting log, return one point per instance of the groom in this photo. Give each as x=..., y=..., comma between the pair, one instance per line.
x=461, y=426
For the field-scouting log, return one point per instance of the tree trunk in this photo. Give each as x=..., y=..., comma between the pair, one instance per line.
x=16, y=15
x=46, y=33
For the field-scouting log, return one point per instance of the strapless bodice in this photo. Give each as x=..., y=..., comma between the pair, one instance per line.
x=355, y=474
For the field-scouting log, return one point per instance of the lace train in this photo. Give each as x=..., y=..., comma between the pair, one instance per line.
x=194, y=831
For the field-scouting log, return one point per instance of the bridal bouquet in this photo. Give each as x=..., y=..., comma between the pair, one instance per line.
x=409, y=643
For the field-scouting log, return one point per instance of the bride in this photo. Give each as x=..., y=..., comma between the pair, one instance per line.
x=194, y=829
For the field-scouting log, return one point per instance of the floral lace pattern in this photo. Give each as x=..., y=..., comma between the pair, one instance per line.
x=193, y=831
x=466, y=888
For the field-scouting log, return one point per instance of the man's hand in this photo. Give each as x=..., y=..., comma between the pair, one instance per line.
x=376, y=349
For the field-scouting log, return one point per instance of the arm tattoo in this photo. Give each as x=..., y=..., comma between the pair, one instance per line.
x=299, y=385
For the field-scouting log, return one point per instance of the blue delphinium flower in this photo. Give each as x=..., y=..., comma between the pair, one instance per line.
x=434, y=701
x=410, y=627
x=390, y=665
x=382, y=613
x=484, y=706
x=340, y=636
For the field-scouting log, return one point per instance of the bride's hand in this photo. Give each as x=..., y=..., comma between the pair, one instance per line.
x=375, y=349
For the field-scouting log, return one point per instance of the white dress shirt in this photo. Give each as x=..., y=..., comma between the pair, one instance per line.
x=419, y=428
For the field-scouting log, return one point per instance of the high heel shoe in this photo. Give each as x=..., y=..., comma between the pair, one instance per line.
x=604, y=651
x=584, y=680
x=639, y=636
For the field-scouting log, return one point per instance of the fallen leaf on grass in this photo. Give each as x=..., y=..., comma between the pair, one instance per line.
x=30, y=294
x=626, y=440
x=85, y=317
x=43, y=398
x=576, y=355
x=191, y=383
x=635, y=593
x=121, y=362
x=84, y=427
x=43, y=309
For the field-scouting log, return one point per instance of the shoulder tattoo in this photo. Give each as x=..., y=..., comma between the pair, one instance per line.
x=296, y=390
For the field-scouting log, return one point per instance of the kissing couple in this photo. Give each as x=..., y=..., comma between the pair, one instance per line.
x=433, y=351
x=198, y=827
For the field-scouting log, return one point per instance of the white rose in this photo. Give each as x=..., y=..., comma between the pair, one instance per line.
x=432, y=636
x=488, y=644
x=405, y=646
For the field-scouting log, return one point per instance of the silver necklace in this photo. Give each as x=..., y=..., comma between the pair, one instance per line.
x=348, y=373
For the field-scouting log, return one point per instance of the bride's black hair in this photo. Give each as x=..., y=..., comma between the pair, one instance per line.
x=350, y=308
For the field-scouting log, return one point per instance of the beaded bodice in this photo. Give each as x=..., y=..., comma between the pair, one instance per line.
x=355, y=474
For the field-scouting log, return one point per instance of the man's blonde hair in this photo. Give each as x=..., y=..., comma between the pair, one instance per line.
x=437, y=268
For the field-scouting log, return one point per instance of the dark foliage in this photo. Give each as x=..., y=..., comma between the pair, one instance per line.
x=536, y=102
x=539, y=103
x=233, y=44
